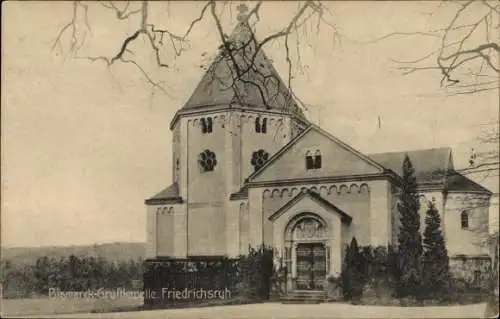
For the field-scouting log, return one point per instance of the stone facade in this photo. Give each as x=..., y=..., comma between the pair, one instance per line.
x=246, y=174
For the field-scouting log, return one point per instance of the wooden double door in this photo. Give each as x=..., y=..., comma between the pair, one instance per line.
x=311, y=266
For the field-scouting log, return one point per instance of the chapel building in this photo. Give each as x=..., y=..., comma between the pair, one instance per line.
x=249, y=169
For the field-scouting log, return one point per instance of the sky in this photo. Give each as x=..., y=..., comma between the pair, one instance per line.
x=83, y=145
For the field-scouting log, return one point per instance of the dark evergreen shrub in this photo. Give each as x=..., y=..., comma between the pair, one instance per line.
x=353, y=272
x=257, y=270
x=346, y=274
x=409, y=238
x=435, y=261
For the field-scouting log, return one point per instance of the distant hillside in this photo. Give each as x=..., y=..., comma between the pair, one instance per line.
x=112, y=251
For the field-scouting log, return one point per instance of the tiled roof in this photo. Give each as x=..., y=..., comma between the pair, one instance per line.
x=261, y=87
x=457, y=182
x=168, y=195
x=427, y=162
x=433, y=169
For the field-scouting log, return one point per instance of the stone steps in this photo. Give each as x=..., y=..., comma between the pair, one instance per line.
x=304, y=297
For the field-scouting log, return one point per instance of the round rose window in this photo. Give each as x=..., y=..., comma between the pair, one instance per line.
x=259, y=158
x=207, y=160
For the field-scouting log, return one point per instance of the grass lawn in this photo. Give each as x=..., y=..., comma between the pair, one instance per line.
x=287, y=311
x=54, y=306
x=48, y=306
x=124, y=308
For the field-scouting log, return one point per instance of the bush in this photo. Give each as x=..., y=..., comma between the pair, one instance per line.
x=459, y=291
x=409, y=236
x=257, y=270
x=70, y=273
x=354, y=272
x=370, y=271
x=376, y=271
x=334, y=288
x=435, y=261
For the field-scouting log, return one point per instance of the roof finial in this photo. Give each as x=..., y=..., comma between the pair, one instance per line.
x=242, y=10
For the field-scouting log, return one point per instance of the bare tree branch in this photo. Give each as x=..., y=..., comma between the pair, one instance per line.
x=460, y=47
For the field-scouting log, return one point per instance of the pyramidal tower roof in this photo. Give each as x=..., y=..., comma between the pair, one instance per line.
x=241, y=74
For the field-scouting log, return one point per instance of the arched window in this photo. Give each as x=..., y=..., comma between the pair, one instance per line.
x=207, y=161
x=309, y=160
x=259, y=158
x=464, y=219
x=206, y=125
x=313, y=161
x=209, y=125
x=257, y=125
x=203, y=123
x=317, y=159
x=263, y=128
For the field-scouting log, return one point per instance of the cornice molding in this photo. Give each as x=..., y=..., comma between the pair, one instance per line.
x=320, y=180
x=345, y=218
x=162, y=201
x=217, y=108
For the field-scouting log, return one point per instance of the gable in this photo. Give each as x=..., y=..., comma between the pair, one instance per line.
x=338, y=159
x=310, y=196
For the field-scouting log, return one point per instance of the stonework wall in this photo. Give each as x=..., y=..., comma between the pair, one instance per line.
x=206, y=187
x=256, y=217
x=243, y=227
x=277, y=135
x=180, y=231
x=296, y=128
x=210, y=224
x=395, y=217
x=352, y=198
x=472, y=270
x=380, y=220
x=166, y=232
x=333, y=240
x=466, y=241
x=151, y=231
x=176, y=153
x=204, y=220
x=183, y=158
x=337, y=160
x=206, y=224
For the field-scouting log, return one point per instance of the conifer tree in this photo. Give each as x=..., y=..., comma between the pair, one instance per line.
x=409, y=238
x=435, y=261
x=357, y=266
x=346, y=274
x=352, y=277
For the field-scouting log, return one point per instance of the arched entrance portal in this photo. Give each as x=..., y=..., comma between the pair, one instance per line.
x=306, y=239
